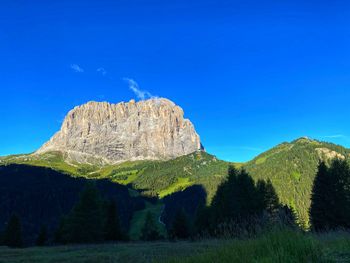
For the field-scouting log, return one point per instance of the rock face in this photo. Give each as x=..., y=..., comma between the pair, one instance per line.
x=111, y=133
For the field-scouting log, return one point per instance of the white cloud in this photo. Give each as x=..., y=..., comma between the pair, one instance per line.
x=140, y=94
x=335, y=136
x=76, y=68
x=102, y=71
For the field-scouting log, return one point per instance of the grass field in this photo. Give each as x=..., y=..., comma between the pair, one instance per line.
x=275, y=246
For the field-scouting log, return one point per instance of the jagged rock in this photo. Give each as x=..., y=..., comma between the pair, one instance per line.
x=111, y=133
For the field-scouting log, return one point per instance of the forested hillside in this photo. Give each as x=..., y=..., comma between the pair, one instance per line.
x=40, y=197
x=292, y=168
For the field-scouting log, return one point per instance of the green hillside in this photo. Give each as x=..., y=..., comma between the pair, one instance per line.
x=292, y=168
x=153, y=178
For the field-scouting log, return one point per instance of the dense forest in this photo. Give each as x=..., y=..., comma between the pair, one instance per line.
x=302, y=185
x=45, y=207
x=39, y=197
x=291, y=167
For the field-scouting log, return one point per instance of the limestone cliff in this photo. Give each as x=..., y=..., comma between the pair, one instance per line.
x=110, y=133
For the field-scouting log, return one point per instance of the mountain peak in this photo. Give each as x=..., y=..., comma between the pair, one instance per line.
x=111, y=133
x=304, y=139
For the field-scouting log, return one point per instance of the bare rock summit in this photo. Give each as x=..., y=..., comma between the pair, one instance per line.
x=153, y=129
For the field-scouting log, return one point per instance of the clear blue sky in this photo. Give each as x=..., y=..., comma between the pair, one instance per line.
x=249, y=74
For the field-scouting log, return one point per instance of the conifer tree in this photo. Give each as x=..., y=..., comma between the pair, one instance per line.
x=203, y=222
x=321, y=199
x=42, y=237
x=330, y=199
x=340, y=177
x=180, y=228
x=288, y=216
x=85, y=222
x=112, y=230
x=149, y=231
x=269, y=198
x=13, y=233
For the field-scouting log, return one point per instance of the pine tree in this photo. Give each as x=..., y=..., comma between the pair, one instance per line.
x=149, y=231
x=112, y=231
x=269, y=200
x=287, y=216
x=340, y=175
x=85, y=222
x=330, y=199
x=321, y=199
x=203, y=222
x=42, y=237
x=236, y=200
x=180, y=228
x=13, y=233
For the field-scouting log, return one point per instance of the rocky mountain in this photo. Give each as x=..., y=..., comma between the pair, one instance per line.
x=105, y=133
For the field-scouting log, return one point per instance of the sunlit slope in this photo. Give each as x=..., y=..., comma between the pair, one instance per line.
x=292, y=168
x=154, y=178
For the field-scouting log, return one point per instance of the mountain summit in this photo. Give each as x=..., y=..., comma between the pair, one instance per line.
x=153, y=129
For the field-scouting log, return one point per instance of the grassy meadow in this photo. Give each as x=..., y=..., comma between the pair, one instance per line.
x=275, y=246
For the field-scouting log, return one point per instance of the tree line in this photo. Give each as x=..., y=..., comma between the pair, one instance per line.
x=92, y=220
x=330, y=198
x=240, y=206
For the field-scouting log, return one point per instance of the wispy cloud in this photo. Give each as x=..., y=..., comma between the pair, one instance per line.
x=247, y=148
x=335, y=136
x=76, y=68
x=140, y=94
x=242, y=148
x=102, y=71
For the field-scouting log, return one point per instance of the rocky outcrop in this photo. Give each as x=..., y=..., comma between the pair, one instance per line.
x=111, y=133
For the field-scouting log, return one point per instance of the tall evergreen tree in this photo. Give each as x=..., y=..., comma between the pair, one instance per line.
x=236, y=200
x=321, y=198
x=42, y=237
x=112, y=230
x=268, y=198
x=13, y=233
x=85, y=222
x=180, y=228
x=340, y=174
x=330, y=198
x=203, y=221
x=149, y=231
x=287, y=216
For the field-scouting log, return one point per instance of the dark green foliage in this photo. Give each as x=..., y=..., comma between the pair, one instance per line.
x=268, y=198
x=239, y=206
x=112, y=230
x=291, y=167
x=203, y=220
x=41, y=196
x=13, y=233
x=180, y=228
x=321, y=199
x=189, y=201
x=330, y=201
x=152, y=178
x=85, y=222
x=42, y=237
x=287, y=216
x=149, y=231
x=236, y=199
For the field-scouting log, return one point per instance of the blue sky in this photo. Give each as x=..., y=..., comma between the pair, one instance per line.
x=249, y=74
